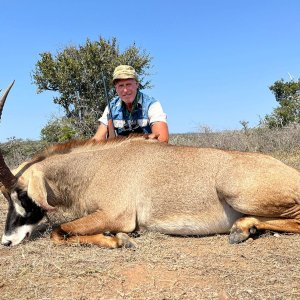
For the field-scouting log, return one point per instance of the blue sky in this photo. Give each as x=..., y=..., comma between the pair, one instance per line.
x=213, y=60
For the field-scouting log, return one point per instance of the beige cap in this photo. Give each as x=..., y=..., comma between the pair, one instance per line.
x=124, y=72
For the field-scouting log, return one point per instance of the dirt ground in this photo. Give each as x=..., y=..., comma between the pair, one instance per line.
x=162, y=267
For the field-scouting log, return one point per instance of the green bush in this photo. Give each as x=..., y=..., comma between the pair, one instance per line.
x=58, y=131
x=15, y=151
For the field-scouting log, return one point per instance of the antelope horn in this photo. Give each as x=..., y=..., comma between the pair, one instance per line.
x=3, y=98
x=6, y=176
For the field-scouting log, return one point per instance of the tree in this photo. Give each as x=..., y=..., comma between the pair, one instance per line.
x=58, y=130
x=77, y=75
x=288, y=111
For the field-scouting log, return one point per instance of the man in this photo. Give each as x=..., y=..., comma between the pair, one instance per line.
x=132, y=111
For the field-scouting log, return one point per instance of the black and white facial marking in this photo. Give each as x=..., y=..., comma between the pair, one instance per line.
x=22, y=217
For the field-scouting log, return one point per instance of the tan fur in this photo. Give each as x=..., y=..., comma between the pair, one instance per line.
x=130, y=184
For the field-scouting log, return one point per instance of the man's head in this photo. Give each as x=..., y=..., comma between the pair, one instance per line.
x=124, y=72
x=126, y=83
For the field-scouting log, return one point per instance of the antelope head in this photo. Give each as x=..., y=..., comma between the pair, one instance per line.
x=23, y=213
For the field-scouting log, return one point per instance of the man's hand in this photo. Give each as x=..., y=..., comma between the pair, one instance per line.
x=151, y=136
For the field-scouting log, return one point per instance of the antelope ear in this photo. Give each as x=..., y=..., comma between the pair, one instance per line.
x=37, y=190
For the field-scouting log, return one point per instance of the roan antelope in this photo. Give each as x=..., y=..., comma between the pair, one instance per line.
x=137, y=184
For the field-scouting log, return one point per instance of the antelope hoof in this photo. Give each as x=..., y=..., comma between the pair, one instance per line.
x=125, y=241
x=58, y=236
x=237, y=235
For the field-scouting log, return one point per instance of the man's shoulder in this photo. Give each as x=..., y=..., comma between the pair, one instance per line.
x=116, y=102
x=146, y=99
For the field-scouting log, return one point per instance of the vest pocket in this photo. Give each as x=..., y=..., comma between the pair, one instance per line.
x=119, y=123
x=143, y=122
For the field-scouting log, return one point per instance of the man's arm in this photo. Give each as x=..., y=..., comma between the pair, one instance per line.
x=161, y=130
x=101, y=133
x=158, y=122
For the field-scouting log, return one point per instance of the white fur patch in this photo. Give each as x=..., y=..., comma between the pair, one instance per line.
x=18, y=235
x=198, y=225
x=17, y=204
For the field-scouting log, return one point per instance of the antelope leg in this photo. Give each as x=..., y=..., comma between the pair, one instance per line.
x=97, y=222
x=246, y=226
x=120, y=240
x=89, y=229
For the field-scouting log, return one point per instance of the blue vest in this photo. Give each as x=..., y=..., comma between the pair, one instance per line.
x=136, y=121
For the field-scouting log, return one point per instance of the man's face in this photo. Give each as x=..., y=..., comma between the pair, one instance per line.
x=127, y=89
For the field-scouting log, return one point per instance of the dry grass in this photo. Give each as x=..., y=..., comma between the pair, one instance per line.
x=253, y=139
x=162, y=267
